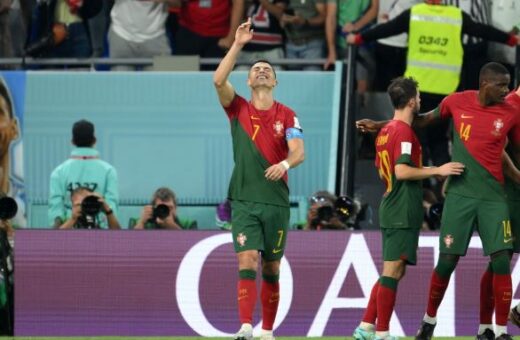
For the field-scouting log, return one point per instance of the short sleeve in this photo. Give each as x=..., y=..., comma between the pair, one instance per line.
x=293, y=128
x=404, y=142
x=444, y=109
x=233, y=109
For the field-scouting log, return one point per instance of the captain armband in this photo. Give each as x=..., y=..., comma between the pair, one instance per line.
x=291, y=133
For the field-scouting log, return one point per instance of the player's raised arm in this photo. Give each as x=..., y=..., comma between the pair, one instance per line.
x=420, y=121
x=225, y=90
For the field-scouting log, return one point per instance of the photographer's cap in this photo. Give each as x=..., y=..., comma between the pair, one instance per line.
x=83, y=133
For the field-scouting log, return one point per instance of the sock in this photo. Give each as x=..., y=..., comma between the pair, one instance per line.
x=246, y=296
x=270, y=296
x=503, y=291
x=382, y=335
x=487, y=298
x=501, y=330
x=371, y=311
x=438, y=286
x=432, y=320
x=482, y=328
x=385, y=302
x=369, y=327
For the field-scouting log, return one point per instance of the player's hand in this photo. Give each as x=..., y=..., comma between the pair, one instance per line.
x=275, y=172
x=451, y=168
x=351, y=39
x=244, y=33
x=367, y=125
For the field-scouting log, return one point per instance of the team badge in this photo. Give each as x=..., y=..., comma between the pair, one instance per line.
x=498, y=125
x=241, y=239
x=278, y=128
x=448, y=240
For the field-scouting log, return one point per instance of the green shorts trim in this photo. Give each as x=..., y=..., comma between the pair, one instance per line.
x=462, y=215
x=400, y=244
x=259, y=226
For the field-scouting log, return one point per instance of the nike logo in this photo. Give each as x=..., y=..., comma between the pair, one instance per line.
x=276, y=251
x=465, y=116
x=255, y=118
x=507, y=240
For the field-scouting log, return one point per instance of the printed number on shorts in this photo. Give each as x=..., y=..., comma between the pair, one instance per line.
x=465, y=130
x=384, y=169
x=506, y=225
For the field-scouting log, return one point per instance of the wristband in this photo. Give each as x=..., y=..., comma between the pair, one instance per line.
x=285, y=164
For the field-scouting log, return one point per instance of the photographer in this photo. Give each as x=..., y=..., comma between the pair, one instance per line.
x=323, y=212
x=162, y=213
x=83, y=168
x=8, y=209
x=87, y=210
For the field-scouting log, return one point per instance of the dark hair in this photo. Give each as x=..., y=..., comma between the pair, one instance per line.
x=79, y=190
x=267, y=62
x=491, y=70
x=4, y=92
x=83, y=133
x=164, y=194
x=401, y=90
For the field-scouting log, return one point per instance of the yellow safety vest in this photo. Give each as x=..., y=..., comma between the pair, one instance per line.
x=434, y=48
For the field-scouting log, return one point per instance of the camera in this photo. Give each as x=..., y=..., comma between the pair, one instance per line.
x=333, y=213
x=161, y=211
x=8, y=208
x=90, y=208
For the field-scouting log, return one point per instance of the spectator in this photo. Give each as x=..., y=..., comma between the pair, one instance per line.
x=11, y=175
x=345, y=17
x=82, y=169
x=267, y=42
x=505, y=15
x=138, y=30
x=390, y=52
x=60, y=28
x=207, y=27
x=162, y=213
x=304, y=25
x=87, y=206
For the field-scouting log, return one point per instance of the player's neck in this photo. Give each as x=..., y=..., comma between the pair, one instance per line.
x=405, y=115
x=262, y=99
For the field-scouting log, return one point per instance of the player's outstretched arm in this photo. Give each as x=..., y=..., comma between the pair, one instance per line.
x=225, y=90
x=410, y=173
x=369, y=125
x=425, y=119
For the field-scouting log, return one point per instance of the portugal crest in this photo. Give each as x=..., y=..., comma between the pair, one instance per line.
x=241, y=239
x=498, y=124
x=448, y=240
x=278, y=128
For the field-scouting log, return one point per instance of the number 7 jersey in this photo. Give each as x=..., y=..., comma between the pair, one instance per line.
x=401, y=206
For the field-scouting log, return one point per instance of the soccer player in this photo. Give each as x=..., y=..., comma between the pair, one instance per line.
x=512, y=188
x=399, y=163
x=482, y=121
x=267, y=142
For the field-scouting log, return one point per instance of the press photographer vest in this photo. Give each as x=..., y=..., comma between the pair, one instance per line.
x=434, y=48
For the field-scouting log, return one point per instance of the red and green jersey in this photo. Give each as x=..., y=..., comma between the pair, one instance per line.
x=401, y=206
x=479, y=137
x=259, y=141
x=512, y=188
